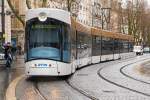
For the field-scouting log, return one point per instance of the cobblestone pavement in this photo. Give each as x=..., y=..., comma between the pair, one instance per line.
x=46, y=88
x=89, y=82
x=124, y=88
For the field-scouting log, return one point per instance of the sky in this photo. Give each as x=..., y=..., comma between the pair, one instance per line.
x=148, y=2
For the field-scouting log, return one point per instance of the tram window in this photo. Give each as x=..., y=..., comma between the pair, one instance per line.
x=130, y=46
x=44, y=43
x=41, y=37
x=125, y=46
x=48, y=40
x=107, y=46
x=96, y=45
x=83, y=45
x=66, y=44
x=116, y=46
x=120, y=46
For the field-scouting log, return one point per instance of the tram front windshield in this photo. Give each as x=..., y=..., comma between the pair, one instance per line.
x=48, y=40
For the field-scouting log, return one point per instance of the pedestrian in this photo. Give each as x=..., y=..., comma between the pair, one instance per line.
x=8, y=54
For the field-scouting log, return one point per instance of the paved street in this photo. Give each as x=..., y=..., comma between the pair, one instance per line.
x=7, y=75
x=115, y=80
x=75, y=50
x=105, y=82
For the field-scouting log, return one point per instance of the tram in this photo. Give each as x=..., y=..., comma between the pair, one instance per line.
x=56, y=44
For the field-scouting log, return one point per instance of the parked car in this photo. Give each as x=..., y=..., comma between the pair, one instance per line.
x=2, y=58
x=138, y=50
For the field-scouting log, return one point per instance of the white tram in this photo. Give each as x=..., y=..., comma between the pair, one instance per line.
x=56, y=45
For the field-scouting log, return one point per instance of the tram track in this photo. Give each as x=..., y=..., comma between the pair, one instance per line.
x=121, y=71
x=81, y=91
x=64, y=81
x=86, y=94
x=37, y=90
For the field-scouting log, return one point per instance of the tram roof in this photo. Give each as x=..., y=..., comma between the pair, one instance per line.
x=57, y=14
x=99, y=32
x=105, y=33
x=81, y=27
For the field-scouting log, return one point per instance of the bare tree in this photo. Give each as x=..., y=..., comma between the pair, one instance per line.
x=44, y=3
x=16, y=13
x=69, y=4
x=28, y=3
x=132, y=15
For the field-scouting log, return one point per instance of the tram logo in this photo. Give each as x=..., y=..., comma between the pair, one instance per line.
x=42, y=65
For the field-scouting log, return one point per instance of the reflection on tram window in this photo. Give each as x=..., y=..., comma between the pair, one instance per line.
x=83, y=45
x=107, y=46
x=116, y=46
x=130, y=46
x=73, y=44
x=66, y=44
x=45, y=52
x=48, y=40
x=44, y=43
x=96, y=45
x=124, y=47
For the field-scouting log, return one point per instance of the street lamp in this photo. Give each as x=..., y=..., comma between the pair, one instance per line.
x=105, y=16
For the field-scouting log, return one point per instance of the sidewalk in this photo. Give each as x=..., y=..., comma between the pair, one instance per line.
x=16, y=70
x=18, y=67
x=18, y=60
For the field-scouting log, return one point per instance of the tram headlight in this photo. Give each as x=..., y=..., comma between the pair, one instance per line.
x=42, y=16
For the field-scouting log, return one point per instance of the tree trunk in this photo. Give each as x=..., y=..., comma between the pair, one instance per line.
x=28, y=4
x=44, y=3
x=15, y=12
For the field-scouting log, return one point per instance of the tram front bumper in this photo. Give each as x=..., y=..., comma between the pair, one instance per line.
x=47, y=68
x=41, y=68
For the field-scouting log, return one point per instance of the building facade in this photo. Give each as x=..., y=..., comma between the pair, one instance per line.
x=7, y=34
x=96, y=13
x=85, y=12
x=17, y=28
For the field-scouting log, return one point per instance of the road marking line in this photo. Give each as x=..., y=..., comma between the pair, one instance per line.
x=11, y=90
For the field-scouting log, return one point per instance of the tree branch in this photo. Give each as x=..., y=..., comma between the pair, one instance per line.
x=15, y=12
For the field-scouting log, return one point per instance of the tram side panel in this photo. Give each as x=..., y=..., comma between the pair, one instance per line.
x=84, y=47
x=73, y=50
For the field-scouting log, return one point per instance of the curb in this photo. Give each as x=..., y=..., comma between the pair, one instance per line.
x=11, y=90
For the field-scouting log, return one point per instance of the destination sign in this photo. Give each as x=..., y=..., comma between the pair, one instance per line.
x=44, y=26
